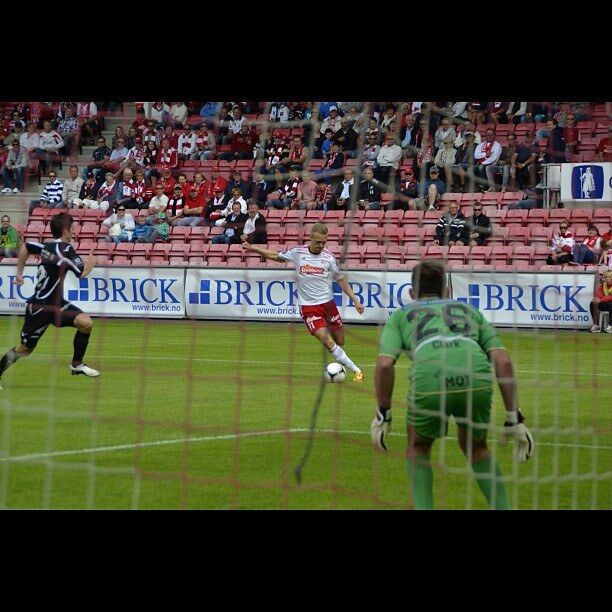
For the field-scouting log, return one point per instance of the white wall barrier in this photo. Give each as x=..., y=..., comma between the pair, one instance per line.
x=272, y=295
x=107, y=291
x=539, y=299
x=542, y=299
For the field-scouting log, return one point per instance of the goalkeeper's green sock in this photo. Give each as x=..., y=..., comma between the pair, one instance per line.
x=420, y=476
x=490, y=481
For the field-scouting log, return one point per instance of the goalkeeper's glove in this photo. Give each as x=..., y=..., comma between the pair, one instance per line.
x=515, y=429
x=379, y=429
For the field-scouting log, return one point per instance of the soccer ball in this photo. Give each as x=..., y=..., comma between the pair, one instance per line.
x=335, y=373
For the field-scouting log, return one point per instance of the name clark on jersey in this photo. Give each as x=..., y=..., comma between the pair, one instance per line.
x=308, y=269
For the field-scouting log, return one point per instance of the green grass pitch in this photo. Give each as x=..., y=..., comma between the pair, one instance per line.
x=211, y=415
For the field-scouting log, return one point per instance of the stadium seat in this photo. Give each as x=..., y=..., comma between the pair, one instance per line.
x=355, y=252
x=372, y=234
x=123, y=249
x=373, y=217
x=415, y=253
x=141, y=249
x=480, y=254
x=429, y=231
x=121, y=260
x=292, y=233
x=413, y=234
x=374, y=252
x=581, y=215
x=499, y=235
x=233, y=261
x=393, y=234
x=180, y=234
x=315, y=215
x=555, y=215
x=431, y=217
x=540, y=235
x=492, y=196
x=579, y=232
x=437, y=252
x=294, y=216
x=176, y=250
x=412, y=217
x=500, y=255
x=334, y=216
x=450, y=197
x=602, y=215
x=458, y=254
x=518, y=235
x=396, y=253
x=139, y=260
x=335, y=232
x=523, y=253
x=515, y=217
x=393, y=217
x=161, y=249
x=512, y=196
x=497, y=216
x=537, y=217
x=540, y=254
x=39, y=215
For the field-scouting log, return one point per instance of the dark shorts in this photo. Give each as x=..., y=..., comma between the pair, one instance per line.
x=39, y=316
x=321, y=315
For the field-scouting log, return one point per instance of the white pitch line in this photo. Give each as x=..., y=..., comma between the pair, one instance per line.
x=246, y=434
x=300, y=363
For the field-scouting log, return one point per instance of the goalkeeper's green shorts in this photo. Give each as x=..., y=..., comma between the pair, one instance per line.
x=433, y=399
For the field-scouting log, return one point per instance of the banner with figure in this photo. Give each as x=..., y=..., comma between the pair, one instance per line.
x=586, y=182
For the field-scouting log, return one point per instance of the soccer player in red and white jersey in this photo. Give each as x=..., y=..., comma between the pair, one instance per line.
x=316, y=268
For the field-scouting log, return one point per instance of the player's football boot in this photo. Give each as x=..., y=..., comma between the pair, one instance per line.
x=83, y=369
x=358, y=376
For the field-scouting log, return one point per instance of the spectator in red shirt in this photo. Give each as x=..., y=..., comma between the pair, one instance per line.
x=571, y=134
x=604, y=150
x=602, y=302
x=243, y=143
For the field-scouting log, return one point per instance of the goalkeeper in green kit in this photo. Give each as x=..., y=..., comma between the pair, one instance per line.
x=452, y=348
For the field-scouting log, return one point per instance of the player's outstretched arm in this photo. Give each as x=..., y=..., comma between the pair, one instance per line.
x=263, y=252
x=23, y=256
x=359, y=307
x=514, y=427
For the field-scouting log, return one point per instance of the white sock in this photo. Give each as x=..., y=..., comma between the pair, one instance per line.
x=341, y=357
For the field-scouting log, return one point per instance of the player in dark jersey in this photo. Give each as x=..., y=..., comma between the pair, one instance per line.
x=47, y=306
x=452, y=347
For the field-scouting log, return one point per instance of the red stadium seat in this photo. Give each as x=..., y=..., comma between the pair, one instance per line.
x=523, y=253
x=396, y=253
x=480, y=254
x=458, y=253
x=393, y=217
x=373, y=217
x=374, y=252
x=540, y=235
x=537, y=217
x=412, y=217
x=415, y=253
x=437, y=252
x=515, y=217
x=372, y=234
x=393, y=234
x=500, y=255
x=518, y=235
x=413, y=234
